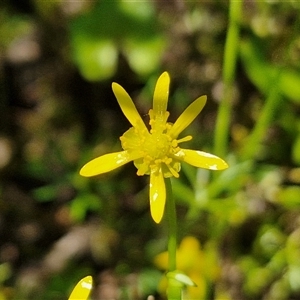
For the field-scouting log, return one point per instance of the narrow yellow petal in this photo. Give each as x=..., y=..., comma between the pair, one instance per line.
x=127, y=106
x=188, y=116
x=157, y=195
x=82, y=289
x=161, y=95
x=105, y=163
x=202, y=159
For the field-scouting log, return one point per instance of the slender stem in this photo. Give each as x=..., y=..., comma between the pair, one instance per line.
x=171, y=213
x=174, y=287
x=229, y=66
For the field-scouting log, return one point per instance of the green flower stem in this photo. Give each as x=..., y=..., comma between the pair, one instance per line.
x=174, y=289
x=171, y=214
x=229, y=66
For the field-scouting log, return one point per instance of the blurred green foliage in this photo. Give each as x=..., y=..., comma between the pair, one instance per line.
x=265, y=75
x=111, y=28
x=57, y=61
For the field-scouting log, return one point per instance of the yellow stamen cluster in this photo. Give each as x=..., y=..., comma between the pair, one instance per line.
x=157, y=148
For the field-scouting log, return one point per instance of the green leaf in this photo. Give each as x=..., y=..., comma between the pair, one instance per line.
x=264, y=74
x=296, y=150
x=289, y=196
x=46, y=193
x=82, y=204
x=96, y=59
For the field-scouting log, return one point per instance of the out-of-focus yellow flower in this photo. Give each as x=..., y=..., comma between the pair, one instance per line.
x=201, y=267
x=82, y=289
x=155, y=152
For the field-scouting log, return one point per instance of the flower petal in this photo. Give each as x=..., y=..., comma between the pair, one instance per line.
x=157, y=195
x=105, y=163
x=161, y=95
x=202, y=159
x=82, y=289
x=127, y=106
x=188, y=116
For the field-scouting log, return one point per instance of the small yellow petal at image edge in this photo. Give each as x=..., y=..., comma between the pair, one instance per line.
x=82, y=289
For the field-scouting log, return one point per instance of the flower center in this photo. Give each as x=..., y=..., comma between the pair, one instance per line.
x=157, y=146
x=156, y=149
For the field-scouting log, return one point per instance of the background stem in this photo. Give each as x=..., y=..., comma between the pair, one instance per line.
x=229, y=66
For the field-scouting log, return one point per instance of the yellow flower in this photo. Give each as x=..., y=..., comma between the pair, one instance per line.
x=82, y=289
x=155, y=152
